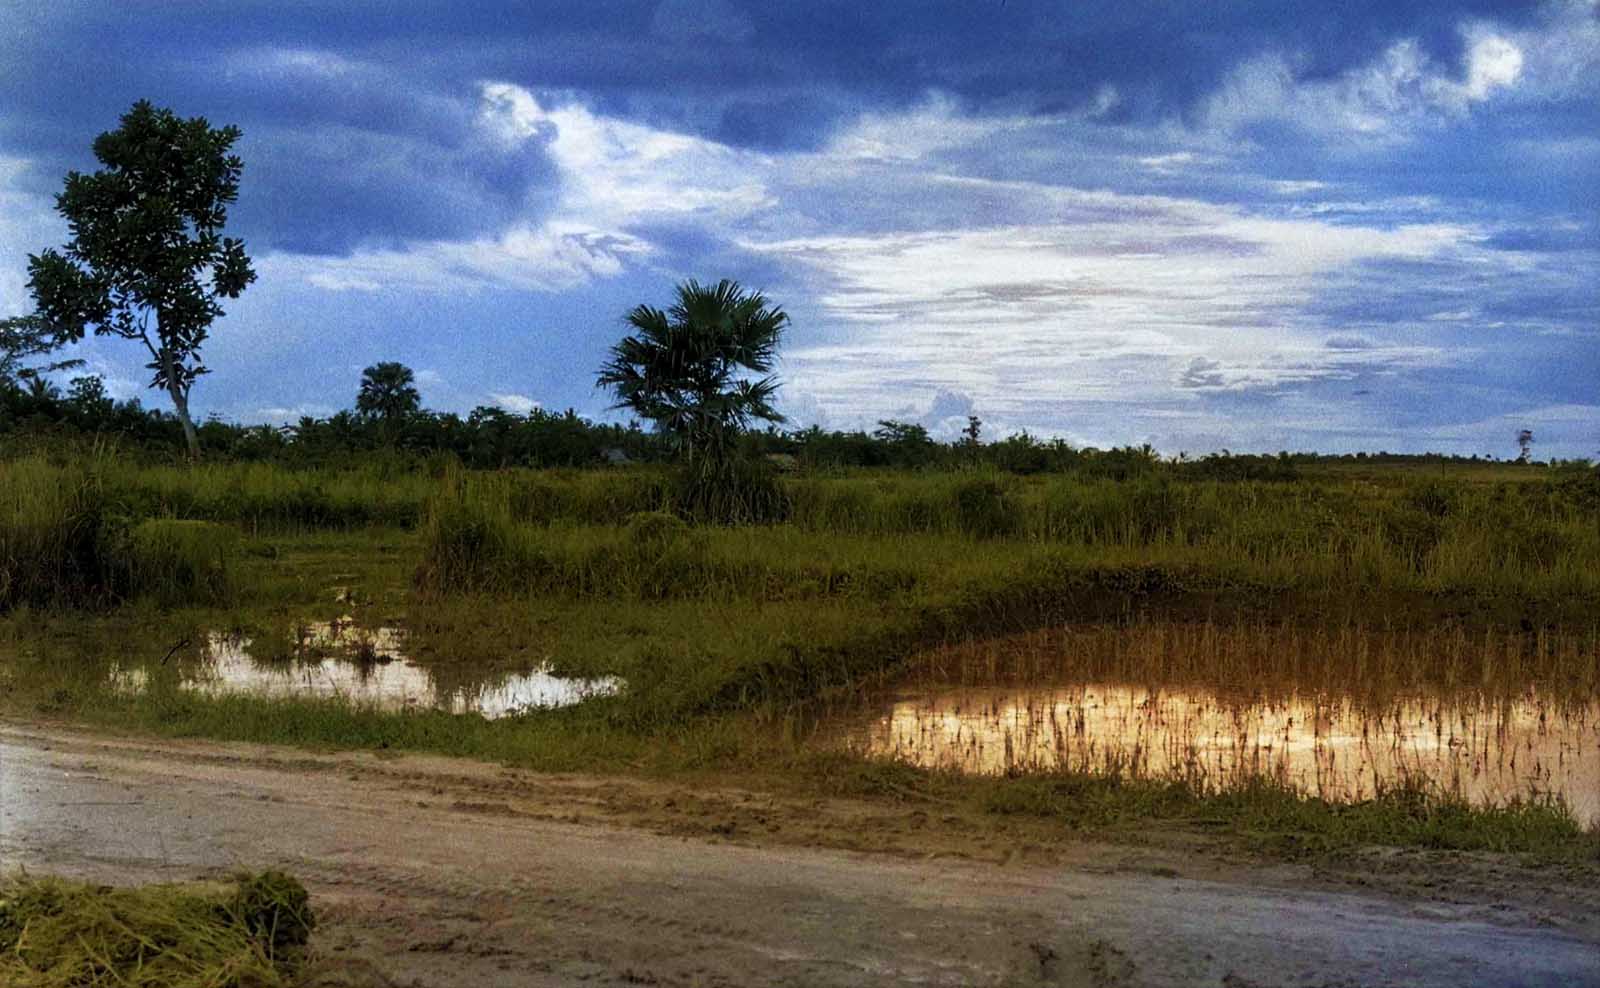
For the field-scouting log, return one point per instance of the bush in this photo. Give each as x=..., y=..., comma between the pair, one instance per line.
x=983, y=509
x=54, y=536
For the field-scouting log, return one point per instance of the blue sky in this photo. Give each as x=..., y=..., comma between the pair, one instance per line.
x=1245, y=225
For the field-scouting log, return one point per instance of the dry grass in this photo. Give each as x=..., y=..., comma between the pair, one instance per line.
x=61, y=934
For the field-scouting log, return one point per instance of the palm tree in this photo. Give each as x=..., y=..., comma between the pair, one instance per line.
x=389, y=394
x=686, y=369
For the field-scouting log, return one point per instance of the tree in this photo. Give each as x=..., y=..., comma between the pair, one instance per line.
x=1525, y=444
x=686, y=369
x=22, y=338
x=389, y=394
x=972, y=435
x=147, y=260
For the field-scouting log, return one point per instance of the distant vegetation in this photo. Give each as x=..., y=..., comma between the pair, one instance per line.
x=37, y=416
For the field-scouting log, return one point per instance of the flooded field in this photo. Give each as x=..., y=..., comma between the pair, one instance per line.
x=1399, y=723
x=1332, y=747
x=364, y=667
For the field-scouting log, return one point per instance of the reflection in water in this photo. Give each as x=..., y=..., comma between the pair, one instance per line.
x=365, y=667
x=1485, y=750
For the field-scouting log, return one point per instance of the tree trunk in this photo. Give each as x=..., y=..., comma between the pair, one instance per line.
x=180, y=402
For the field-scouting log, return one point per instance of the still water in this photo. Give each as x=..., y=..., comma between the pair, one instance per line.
x=1488, y=750
x=364, y=667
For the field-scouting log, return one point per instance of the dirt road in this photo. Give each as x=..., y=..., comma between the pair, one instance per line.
x=437, y=872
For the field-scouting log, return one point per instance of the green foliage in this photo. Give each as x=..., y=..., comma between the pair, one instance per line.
x=66, y=539
x=731, y=490
x=181, y=562
x=21, y=339
x=51, y=535
x=147, y=245
x=274, y=910
x=684, y=368
x=984, y=510
x=389, y=393
x=59, y=933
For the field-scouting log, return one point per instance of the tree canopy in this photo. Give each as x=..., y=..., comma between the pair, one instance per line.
x=147, y=260
x=388, y=391
x=687, y=369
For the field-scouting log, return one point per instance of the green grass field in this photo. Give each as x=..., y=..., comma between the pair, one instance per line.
x=735, y=640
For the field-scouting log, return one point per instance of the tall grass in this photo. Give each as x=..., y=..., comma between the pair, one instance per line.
x=55, y=535
x=66, y=540
x=1268, y=657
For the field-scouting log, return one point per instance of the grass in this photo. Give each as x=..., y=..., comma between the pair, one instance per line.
x=1350, y=581
x=1261, y=814
x=244, y=934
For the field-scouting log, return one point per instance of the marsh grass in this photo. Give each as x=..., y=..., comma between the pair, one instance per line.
x=66, y=541
x=722, y=631
x=777, y=744
x=1274, y=657
x=245, y=934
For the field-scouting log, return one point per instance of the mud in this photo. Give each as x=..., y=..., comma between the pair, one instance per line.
x=430, y=871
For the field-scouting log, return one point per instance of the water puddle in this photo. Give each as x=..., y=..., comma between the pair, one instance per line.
x=1486, y=750
x=363, y=667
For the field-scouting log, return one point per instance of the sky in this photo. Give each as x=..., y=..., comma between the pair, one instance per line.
x=1248, y=225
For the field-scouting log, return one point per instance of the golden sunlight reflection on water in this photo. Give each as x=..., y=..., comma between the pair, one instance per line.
x=1488, y=750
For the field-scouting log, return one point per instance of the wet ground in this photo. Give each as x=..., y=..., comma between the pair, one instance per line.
x=364, y=666
x=1487, y=749
x=427, y=871
x=1490, y=744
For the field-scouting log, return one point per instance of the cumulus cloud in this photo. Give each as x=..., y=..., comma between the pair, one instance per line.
x=1386, y=98
x=514, y=403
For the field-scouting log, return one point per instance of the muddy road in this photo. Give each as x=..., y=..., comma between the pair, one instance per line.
x=431, y=871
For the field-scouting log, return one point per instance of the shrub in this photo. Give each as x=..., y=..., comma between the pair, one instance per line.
x=180, y=561
x=983, y=509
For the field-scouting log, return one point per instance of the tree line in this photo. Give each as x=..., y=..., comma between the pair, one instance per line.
x=148, y=262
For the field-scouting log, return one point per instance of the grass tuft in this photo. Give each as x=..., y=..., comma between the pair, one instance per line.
x=60, y=934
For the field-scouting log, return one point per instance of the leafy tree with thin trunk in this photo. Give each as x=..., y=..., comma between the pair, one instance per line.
x=389, y=394
x=147, y=260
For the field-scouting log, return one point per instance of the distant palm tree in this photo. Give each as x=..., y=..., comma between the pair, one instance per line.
x=389, y=394
x=685, y=369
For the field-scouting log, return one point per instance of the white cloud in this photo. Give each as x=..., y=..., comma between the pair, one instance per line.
x=1492, y=63
x=28, y=225
x=1097, y=305
x=1385, y=99
x=613, y=176
x=514, y=403
x=614, y=172
x=549, y=258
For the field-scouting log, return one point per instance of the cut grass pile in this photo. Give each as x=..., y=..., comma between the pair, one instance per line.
x=249, y=933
